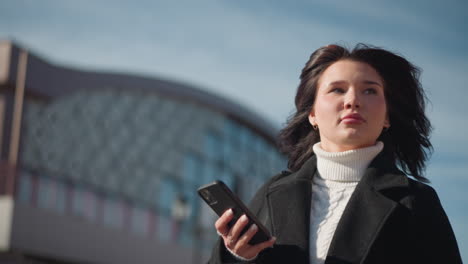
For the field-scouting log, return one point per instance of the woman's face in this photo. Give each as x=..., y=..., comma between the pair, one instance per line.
x=349, y=108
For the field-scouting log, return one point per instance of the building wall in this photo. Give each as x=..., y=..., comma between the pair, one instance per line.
x=71, y=239
x=104, y=161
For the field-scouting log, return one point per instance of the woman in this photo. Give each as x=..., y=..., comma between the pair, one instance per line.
x=359, y=129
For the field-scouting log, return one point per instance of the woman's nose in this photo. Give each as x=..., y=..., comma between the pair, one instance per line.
x=351, y=100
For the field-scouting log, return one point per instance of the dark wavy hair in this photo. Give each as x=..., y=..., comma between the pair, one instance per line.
x=406, y=141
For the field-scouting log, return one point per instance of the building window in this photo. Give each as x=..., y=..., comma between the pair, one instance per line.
x=213, y=147
x=61, y=197
x=229, y=153
x=231, y=130
x=140, y=221
x=113, y=213
x=210, y=173
x=192, y=168
x=46, y=193
x=25, y=188
x=167, y=194
x=228, y=178
x=165, y=228
x=84, y=203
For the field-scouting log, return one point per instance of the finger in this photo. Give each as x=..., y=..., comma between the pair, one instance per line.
x=236, y=230
x=259, y=247
x=244, y=239
x=253, y=251
x=221, y=224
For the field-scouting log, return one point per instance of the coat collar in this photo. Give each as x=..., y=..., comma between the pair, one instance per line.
x=291, y=222
x=371, y=203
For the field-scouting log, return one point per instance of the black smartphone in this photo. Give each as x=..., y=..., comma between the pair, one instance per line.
x=220, y=198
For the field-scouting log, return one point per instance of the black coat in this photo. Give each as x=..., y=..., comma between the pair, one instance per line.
x=389, y=218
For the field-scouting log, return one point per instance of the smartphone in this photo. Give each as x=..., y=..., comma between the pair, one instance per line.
x=220, y=198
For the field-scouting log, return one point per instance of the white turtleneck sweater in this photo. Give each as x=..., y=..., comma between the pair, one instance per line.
x=338, y=175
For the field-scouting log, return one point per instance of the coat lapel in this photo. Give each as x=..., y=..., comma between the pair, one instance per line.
x=365, y=213
x=289, y=205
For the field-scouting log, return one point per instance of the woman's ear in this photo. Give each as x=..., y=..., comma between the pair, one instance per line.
x=312, y=119
x=386, y=122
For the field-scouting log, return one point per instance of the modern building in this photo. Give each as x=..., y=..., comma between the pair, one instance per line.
x=99, y=167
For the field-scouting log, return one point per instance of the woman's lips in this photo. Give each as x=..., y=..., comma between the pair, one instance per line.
x=353, y=119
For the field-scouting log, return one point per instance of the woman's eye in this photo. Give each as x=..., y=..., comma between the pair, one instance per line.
x=337, y=90
x=370, y=91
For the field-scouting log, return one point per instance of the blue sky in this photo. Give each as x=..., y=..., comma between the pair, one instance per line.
x=253, y=51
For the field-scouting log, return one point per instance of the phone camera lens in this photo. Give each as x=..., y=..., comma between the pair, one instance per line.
x=206, y=195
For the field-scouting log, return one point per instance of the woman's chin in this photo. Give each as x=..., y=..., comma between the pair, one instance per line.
x=356, y=140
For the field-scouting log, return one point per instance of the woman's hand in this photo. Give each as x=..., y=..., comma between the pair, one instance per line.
x=239, y=244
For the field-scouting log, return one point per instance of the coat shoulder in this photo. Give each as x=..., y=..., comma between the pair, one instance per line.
x=423, y=192
x=431, y=226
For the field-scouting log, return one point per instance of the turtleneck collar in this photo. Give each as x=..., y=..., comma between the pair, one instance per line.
x=346, y=166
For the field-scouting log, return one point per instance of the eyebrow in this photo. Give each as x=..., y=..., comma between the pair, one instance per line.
x=372, y=82
x=365, y=82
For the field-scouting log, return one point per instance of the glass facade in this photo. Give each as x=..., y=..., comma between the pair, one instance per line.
x=123, y=158
x=113, y=213
x=46, y=194
x=140, y=221
x=25, y=186
x=84, y=203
